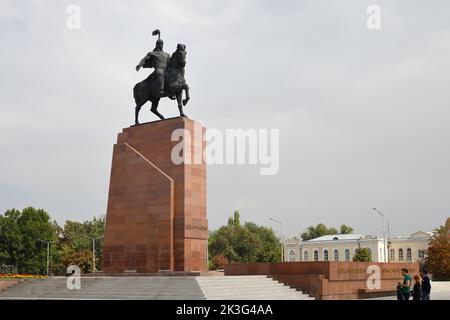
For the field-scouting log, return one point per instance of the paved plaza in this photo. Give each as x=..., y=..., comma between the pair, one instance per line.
x=439, y=291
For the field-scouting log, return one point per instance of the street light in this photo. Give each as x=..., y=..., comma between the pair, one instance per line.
x=386, y=257
x=282, y=247
x=93, y=250
x=48, y=251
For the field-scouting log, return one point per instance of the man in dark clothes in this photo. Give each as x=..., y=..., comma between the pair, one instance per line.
x=426, y=285
x=399, y=291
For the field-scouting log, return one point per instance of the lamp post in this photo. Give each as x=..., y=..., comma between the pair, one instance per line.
x=48, y=252
x=93, y=250
x=386, y=258
x=282, y=246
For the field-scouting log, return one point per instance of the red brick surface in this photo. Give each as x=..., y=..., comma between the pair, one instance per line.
x=327, y=280
x=156, y=215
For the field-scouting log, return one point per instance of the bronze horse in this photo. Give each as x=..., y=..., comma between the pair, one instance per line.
x=174, y=84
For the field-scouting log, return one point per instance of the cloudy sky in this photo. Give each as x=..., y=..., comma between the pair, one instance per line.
x=363, y=114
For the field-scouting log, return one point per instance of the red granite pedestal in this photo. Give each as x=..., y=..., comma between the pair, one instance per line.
x=156, y=216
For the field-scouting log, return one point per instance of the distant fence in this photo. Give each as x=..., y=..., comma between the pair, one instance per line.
x=8, y=269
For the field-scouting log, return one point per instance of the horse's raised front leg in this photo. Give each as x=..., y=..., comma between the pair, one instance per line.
x=154, y=109
x=186, y=91
x=180, y=105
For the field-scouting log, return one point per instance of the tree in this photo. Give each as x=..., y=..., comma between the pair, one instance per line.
x=19, y=231
x=346, y=229
x=315, y=232
x=82, y=259
x=235, y=220
x=362, y=255
x=9, y=237
x=77, y=239
x=246, y=244
x=322, y=230
x=242, y=243
x=270, y=248
x=437, y=259
x=218, y=262
x=237, y=244
x=220, y=243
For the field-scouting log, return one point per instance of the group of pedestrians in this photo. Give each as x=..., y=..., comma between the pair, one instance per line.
x=419, y=291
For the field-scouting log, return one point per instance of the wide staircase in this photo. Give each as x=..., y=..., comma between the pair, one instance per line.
x=247, y=288
x=156, y=288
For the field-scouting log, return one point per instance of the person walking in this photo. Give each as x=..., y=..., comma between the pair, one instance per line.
x=417, y=289
x=406, y=285
x=426, y=285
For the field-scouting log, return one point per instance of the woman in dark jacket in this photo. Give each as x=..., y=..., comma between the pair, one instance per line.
x=417, y=289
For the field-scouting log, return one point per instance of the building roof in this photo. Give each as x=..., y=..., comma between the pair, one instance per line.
x=354, y=237
x=421, y=234
x=418, y=234
x=335, y=237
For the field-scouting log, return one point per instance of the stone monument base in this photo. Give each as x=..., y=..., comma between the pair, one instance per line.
x=156, y=216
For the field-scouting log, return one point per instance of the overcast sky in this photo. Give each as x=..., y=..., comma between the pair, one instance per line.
x=363, y=114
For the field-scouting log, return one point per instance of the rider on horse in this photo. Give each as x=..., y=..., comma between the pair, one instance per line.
x=159, y=60
x=166, y=81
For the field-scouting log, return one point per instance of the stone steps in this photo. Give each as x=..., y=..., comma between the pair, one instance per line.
x=101, y=297
x=156, y=288
x=247, y=288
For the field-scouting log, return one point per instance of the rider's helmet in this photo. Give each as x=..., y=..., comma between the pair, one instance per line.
x=159, y=43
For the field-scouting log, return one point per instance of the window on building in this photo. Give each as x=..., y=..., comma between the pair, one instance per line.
x=408, y=254
x=392, y=254
x=336, y=255
x=291, y=256
x=305, y=255
x=316, y=255
x=421, y=255
x=325, y=255
x=347, y=254
x=400, y=254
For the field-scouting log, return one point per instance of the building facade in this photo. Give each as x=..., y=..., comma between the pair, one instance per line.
x=409, y=249
x=342, y=247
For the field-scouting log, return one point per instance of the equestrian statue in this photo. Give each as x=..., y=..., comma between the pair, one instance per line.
x=167, y=79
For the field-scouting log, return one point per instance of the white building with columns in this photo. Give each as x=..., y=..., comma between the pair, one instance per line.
x=342, y=247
